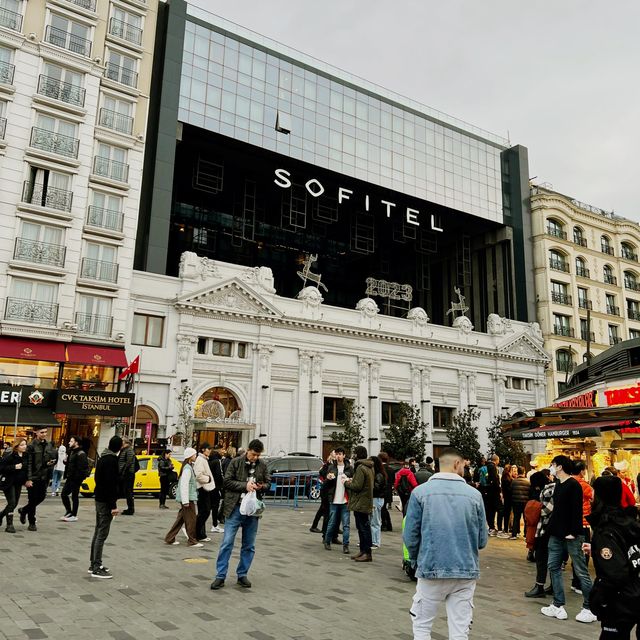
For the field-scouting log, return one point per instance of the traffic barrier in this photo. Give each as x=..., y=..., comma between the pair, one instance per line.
x=293, y=489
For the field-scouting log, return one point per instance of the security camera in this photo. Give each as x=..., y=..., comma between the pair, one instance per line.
x=32, y=36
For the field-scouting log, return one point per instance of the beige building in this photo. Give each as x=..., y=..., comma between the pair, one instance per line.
x=587, y=279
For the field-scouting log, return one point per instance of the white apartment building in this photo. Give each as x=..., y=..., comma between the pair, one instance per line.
x=587, y=279
x=74, y=86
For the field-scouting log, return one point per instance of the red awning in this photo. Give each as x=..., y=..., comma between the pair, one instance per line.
x=93, y=354
x=47, y=350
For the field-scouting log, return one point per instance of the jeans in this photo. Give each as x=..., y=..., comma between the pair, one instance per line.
x=457, y=595
x=37, y=493
x=337, y=511
x=376, y=521
x=363, y=524
x=204, y=508
x=575, y=582
x=12, y=495
x=557, y=547
x=249, y=525
x=71, y=487
x=55, y=480
x=542, y=558
x=101, y=533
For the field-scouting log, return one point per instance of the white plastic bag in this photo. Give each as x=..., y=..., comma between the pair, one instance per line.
x=249, y=504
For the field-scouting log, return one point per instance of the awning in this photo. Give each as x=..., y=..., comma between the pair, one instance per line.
x=200, y=424
x=97, y=355
x=576, y=430
x=21, y=349
x=28, y=417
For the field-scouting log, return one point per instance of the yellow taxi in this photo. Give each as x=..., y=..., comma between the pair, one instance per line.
x=146, y=481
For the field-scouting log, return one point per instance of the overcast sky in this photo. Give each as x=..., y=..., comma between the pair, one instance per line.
x=559, y=77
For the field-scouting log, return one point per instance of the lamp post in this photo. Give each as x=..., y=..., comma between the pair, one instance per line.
x=15, y=422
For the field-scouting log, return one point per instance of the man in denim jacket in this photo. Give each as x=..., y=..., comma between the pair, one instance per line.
x=444, y=530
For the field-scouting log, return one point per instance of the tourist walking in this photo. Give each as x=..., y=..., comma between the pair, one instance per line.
x=187, y=497
x=504, y=517
x=379, y=490
x=107, y=477
x=323, y=509
x=520, y=490
x=58, y=470
x=245, y=474
x=127, y=463
x=565, y=536
x=387, y=525
x=76, y=470
x=205, y=484
x=166, y=475
x=404, y=483
x=41, y=458
x=337, y=474
x=360, y=487
x=444, y=530
x=215, y=464
x=13, y=467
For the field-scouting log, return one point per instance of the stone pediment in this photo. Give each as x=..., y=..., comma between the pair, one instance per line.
x=230, y=297
x=523, y=347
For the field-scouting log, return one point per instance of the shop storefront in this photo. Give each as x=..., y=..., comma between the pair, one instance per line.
x=24, y=409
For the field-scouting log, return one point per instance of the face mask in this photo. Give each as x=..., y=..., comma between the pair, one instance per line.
x=552, y=470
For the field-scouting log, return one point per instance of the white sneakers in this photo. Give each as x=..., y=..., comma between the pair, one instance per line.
x=70, y=519
x=204, y=539
x=586, y=616
x=197, y=545
x=217, y=529
x=560, y=613
x=554, y=612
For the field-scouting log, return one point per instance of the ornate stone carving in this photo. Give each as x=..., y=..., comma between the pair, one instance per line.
x=230, y=298
x=260, y=276
x=418, y=316
x=311, y=297
x=193, y=266
x=368, y=308
x=495, y=326
x=535, y=332
x=416, y=375
x=304, y=358
x=317, y=366
x=363, y=367
x=185, y=347
x=463, y=324
x=374, y=369
x=264, y=352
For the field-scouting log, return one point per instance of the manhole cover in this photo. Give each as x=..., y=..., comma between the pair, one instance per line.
x=196, y=560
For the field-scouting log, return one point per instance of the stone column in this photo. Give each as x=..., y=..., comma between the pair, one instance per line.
x=315, y=409
x=462, y=389
x=471, y=389
x=426, y=408
x=375, y=409
x=300, y=441
x=262, y=377
x=499, y=393
x=363, y=393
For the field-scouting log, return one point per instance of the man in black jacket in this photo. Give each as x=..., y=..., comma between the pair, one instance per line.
x=215, y=464
x=76, y=470
x=566, y=536
x=106, y=496
x=41, y=458
x=337, y=474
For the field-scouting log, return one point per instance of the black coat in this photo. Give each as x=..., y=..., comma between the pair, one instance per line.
x=107, y=479
x=41, y=458
x=331, y=484
x=15, y=477
x=215, y=464
x=77, y=467
x=379, y=485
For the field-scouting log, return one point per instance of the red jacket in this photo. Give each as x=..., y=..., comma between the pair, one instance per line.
x=413, y=483
x=587, y=499
x=628, y=499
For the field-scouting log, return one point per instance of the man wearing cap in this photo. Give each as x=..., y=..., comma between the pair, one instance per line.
x=534, y=469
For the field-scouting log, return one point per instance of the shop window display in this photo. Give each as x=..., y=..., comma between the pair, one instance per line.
x=82, y=376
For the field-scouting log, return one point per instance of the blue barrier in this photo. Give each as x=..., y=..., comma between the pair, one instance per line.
x=293, y=489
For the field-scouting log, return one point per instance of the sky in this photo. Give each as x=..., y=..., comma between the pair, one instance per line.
x=557, y=76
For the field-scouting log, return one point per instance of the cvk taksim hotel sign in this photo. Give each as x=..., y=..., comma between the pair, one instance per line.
x=315, y=188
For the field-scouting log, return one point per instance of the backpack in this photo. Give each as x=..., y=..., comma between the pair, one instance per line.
x=404, y=488
x=483, y=476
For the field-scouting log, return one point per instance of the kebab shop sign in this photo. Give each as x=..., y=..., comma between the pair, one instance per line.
x=624, y=396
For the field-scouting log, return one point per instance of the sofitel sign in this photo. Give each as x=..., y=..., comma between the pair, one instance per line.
x=315, y=188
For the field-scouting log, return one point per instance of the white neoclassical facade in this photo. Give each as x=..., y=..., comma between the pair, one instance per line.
x=277, y=368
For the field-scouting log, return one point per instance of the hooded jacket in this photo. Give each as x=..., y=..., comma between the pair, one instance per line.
x=107, y=477
x=615, y=548
x=41, y=457
x=77, y=468
x=361, y=487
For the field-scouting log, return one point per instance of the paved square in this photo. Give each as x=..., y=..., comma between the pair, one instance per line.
x=300, y=591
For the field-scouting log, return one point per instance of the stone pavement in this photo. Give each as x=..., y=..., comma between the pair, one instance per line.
x=300, y=591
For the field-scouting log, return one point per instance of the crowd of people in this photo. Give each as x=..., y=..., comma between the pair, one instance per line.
x=450, y=513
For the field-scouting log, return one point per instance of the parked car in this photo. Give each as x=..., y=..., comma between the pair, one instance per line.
x=146, y=481
x=301, y=475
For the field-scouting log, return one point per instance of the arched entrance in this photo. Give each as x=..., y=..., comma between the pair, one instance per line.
x=218, y=419
x=144, y=416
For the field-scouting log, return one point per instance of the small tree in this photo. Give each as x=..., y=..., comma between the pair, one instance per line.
x=463, y=434
x=185, y=415
x=407, y=434
x=350, y=423
x=502, y=444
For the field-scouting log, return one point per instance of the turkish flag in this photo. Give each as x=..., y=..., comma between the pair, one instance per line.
x=134, y=367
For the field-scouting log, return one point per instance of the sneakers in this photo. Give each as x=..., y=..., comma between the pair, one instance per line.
x=173, y=543
x=586, y=616
x=493, y=533
x=514, y=537
x=197, y=545
x=70, y=518
x=64, y=517
x=204, y=539
x=101, y=573
x=502, y=534
x=559, y=612
x=102, y=567
x=163, y=506
x=217, y=529
x=576, y=590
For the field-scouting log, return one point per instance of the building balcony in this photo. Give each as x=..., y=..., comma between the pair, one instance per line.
x=89, y=5
x=557, y=233
x=94, y=325
x=560, y=298
x=121, y=74
x=607, y=249
x=31, y=311
x=580, y=241
x=99, y=270
x=116, y=121
x=6, y=72
x=611, y=280
x=633, y=314
x=583, y=272
x=583, y=303
x=39, y=252
x=559, y=265
x=632, y=285
x=105, y=218
x=560, y=330
x=47, y=196
x=52, y=142
x=10, y=20
x=614, y=340
x=629, y=255
x=3, y=127
x=612, y=310
x=588, y=336
x=127, y=32
x=67, y=40
x=63, y=91
x=110, y=169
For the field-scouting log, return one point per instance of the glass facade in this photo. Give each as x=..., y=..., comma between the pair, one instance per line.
x=246, y=91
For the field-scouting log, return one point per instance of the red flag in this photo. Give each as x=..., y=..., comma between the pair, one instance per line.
x=134, y=367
